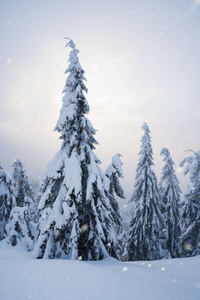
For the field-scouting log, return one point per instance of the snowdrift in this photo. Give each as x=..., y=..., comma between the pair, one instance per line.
x=22, y=278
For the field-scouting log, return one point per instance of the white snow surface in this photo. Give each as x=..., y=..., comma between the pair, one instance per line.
x=22, y=278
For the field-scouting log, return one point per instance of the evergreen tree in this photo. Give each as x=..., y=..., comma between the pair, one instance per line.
x=190, y=238
x=75, y=213
x=19, y=225
x=6, y=200
x=170, y=195
x=24, y=195
x=22, y=187
x=147, y=222
x=114, y=172
x=17, y=228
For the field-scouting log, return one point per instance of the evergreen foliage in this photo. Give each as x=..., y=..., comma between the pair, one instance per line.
x=24, y=196
x=76, y=218
x=114, y=172
x=19, y=225
x=6, y=200
x=146, y=223
x=17, y=229
x=170, y=195
x=190, y=238
x=22, y=188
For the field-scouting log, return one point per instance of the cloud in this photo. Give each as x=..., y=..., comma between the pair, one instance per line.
x=195, y=4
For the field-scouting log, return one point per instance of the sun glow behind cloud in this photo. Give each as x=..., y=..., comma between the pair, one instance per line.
x=195, y=4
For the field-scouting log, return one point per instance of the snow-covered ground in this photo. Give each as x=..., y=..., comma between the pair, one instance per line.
x=23, y=278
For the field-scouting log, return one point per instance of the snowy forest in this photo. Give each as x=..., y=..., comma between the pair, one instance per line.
x=75, y=213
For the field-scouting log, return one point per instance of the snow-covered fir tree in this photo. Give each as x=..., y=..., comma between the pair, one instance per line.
x=17, y=228
x=114, y=172
x=6, y=200
x=20, y=226
x=24, y=194
x=170, y=195
x=76, y=218
x=190, y=238
x=22, y=187
x=146, y=221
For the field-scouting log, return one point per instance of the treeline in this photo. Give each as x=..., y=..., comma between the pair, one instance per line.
x=76, y=215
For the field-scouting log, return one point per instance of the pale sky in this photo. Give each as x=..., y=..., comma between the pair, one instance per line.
x=142, y=64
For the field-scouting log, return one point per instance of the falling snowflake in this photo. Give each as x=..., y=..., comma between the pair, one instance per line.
x=84, y=227
x=187, y=247
x=179, y=170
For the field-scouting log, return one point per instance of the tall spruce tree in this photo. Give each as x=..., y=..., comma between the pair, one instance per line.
x=146, y=220
x=6, y=200
x=170, y=195
x=75, y=213
x=114, y=172
x=190, y=238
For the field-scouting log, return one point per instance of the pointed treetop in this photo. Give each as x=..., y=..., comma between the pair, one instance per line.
x=71, y=44
x=167, y=157
x=168, y=173
x=165, y=152
x=17, y=162
x=146, y=148
x=145, y=127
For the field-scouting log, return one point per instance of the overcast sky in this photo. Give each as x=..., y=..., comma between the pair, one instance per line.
x=142, y=64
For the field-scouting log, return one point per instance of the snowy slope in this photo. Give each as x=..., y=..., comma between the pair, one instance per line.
x=22, y=278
